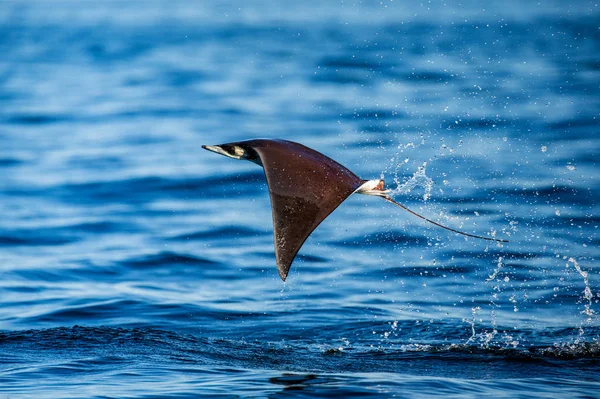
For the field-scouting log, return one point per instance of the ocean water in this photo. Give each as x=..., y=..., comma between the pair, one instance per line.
x=134, y=264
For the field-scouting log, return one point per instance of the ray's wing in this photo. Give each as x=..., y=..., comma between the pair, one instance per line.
x=305, y=186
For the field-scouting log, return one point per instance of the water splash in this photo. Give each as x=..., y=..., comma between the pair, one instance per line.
x=587, y=292
x=496, y=270
x=471, y=323
x=418, y=179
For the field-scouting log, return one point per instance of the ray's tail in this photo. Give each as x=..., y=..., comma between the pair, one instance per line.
x=389, y=199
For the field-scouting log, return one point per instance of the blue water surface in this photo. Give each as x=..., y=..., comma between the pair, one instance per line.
x=135, y=264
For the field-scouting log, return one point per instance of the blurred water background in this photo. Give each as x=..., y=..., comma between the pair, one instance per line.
x=135, y=264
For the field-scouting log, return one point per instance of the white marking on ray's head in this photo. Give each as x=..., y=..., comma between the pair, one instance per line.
x=232, y=151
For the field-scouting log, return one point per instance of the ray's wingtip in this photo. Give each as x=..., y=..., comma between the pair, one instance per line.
x=283, y=273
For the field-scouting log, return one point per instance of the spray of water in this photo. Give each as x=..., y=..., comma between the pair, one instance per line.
x=587, y=292
x=418, y=179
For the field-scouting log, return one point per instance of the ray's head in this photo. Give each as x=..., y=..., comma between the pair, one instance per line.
x=229, y=150
x=235, y=151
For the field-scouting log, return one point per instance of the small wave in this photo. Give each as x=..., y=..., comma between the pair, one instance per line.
x=420, y=77
x=568, y=194
x=36, y=119
x=353, y=63
x=379, y=114
x=423, y=271
x=476, y=124
x=165, y=259
x=90, y=337
x=383, y=239
x=5, y=162
x=87, y=312
x=340, y=77
x=229, y=231
x=102, y=227
x=149, y=188
x=35, y=237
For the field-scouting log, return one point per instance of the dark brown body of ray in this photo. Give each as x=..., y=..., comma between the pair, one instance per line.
x=305, y=186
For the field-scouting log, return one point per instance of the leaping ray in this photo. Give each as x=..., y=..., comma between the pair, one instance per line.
x=305, y=186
